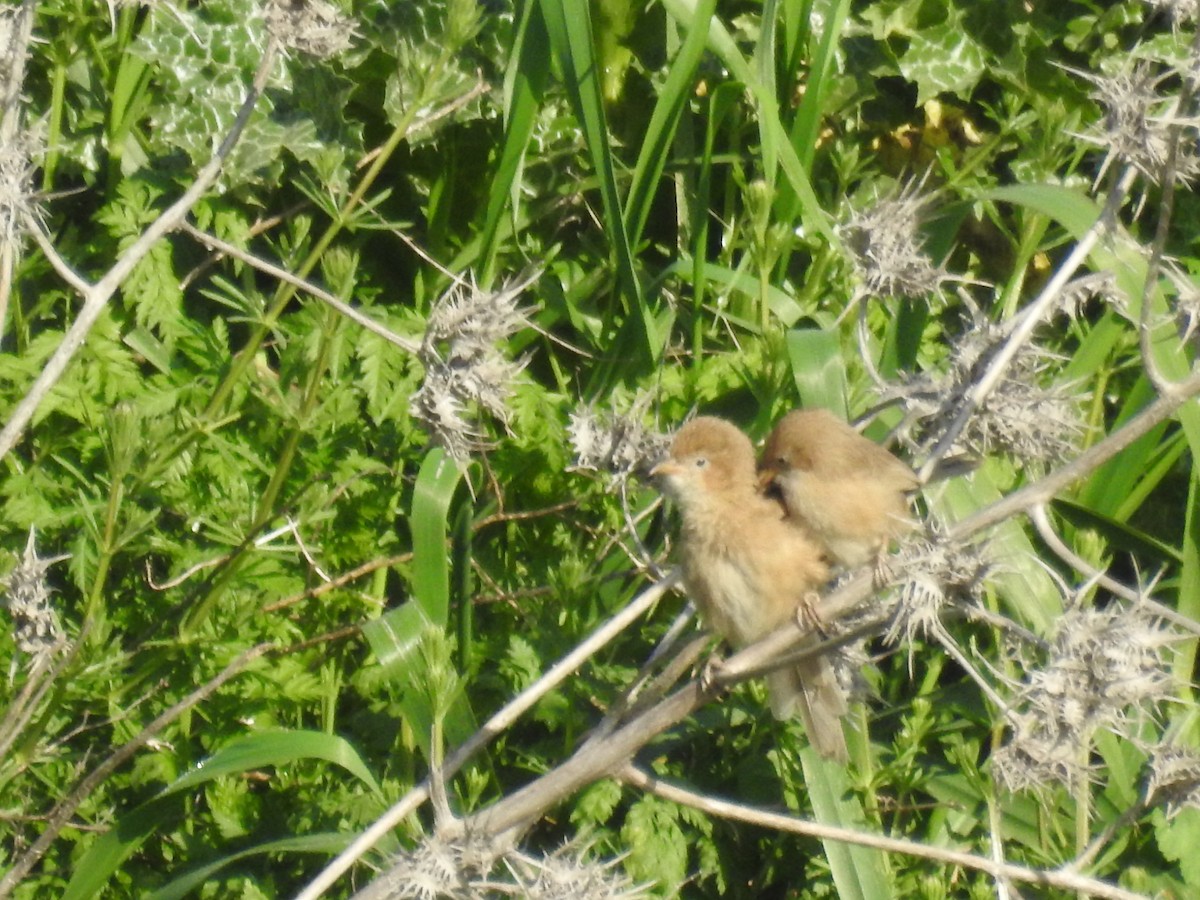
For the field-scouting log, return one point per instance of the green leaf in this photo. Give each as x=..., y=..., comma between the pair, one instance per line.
x=568, y=24
x=860, y=873
x=1178, y=839
x=524, y=87
x=436, y=482
x=672, y=100
x=329, y=843
x=943, y=59
x=818, y=369
x=245, y=754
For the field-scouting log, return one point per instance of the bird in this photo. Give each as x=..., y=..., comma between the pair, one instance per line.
x=747, y=569
x=845, y=489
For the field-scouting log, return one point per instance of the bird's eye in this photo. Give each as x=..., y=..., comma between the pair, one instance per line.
x=700, y=462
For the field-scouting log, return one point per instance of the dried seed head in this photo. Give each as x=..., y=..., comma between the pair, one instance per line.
x=617, y=443
x=16, y=196
x=1174, y=779
x=314, y=27
x=1021, y=416
x=570, y=873
x=887, y=249
x=36, y=629
x=470, y=869
x=1097, y=285
x=1106, y=669
x=935, y=572
x=438, y=868
x=466, y=372
x=1138, y=122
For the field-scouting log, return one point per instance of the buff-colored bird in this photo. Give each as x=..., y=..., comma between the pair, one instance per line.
x=851, y=493
x=747, y=569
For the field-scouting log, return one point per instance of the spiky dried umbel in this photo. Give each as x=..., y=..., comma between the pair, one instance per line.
x=1024, y=415
x=617, y=443
x=887, y=249
x=36, y=629
x=1106, y=669
x=935, y=572
x=1138, y=122
x=465, y=368
x=1180, y=12
x=1174, y=780
x=17, y=201
x=468, y=869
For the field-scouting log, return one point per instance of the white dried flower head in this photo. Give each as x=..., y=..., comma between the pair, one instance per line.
x=1105, y=669
x=1023, y=415
x=16, y=196
x=1174, y=781
x=1096, y=285
x=617, y=443
x=887, y=249
x=466, y=371
x=934, y=572
x=438, y=868
x=314, y=27
x=36, y=629
x=571, y=874
x=1138, y=122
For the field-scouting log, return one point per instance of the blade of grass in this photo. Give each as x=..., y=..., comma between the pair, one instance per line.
x=568, y=25
x=524, y=88
x=860, y=873
x=672, y=100
x=818, y=368
x=244, y=755
x=432, y=493
x=326, y=844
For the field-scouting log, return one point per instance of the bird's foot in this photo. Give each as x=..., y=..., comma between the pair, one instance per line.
x=808, y=617
x=711, y=672
x=881, y=571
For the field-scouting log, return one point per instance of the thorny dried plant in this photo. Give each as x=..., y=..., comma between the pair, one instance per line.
x=470, y=869
x=466, y=369
x=1106, y=669
x=1174, y=782
x=887, y=248
x=1022, y=416
x=16, y=197
x=1138, y=123
x=617, y=443
x=936, y=572
x=36, y=629
x=313, y=27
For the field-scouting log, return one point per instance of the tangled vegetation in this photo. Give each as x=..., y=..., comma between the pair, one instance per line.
x=336, y=339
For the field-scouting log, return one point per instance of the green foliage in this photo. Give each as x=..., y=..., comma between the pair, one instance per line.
x=229, y=462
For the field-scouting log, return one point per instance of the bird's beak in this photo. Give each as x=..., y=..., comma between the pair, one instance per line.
x=766, y=477
x=666, y=466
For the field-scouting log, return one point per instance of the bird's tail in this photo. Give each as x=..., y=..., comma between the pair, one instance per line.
x=811, y=690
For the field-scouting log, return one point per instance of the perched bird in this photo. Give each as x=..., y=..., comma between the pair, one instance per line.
x=851, y=493
x=747, y=569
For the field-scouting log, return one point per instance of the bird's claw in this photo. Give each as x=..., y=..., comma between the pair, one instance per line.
x=881, y=571
x=711, y=672
x=808, y=618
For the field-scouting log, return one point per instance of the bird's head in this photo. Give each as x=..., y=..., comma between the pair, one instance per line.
x=708, y=456
x=793, y=445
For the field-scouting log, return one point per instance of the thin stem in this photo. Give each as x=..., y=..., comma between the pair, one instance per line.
x=1063, y=878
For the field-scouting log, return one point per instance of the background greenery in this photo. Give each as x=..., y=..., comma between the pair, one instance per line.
x=683, y=192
